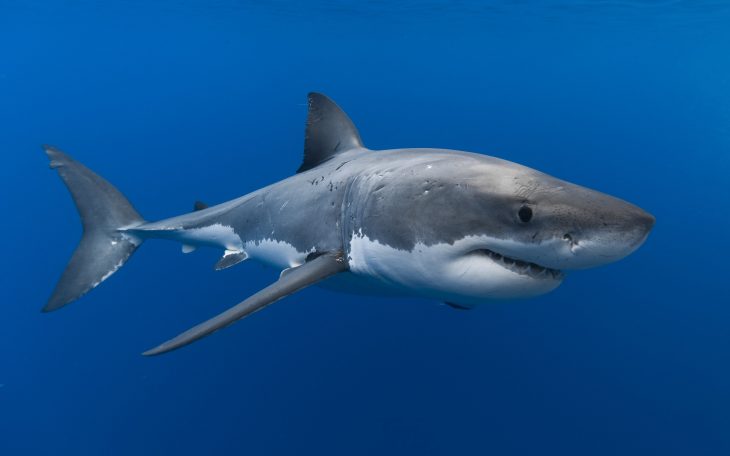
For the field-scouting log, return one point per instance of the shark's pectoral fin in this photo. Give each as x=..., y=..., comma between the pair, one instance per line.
x=298, y=278
x=230, y=258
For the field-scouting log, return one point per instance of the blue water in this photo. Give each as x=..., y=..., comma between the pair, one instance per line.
x=175, y=101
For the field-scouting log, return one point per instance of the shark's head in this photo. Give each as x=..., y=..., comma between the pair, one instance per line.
x=537, y=227
x=476, y=228
x=560, y=225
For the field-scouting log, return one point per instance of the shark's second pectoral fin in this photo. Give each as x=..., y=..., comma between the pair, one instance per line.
x=453, y=305
x=309, y=273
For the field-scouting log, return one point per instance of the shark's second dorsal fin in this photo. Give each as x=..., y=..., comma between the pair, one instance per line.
x=329, y=132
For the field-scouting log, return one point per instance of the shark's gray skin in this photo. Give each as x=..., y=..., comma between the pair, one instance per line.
x=459, y=227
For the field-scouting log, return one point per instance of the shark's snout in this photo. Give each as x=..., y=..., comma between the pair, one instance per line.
x=612, y=235
x=642, y=224
x=645, y=221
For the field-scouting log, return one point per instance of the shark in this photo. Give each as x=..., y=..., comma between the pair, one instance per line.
x=457, y=227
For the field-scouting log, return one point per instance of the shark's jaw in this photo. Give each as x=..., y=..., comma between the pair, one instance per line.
x=526, y=268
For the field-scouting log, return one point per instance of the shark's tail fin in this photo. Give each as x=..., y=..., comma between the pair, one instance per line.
x=104, y=247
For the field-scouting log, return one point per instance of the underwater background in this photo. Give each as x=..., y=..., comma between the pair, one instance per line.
x=181, y=100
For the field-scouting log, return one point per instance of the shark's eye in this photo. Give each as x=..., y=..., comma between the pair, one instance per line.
x=525, y=214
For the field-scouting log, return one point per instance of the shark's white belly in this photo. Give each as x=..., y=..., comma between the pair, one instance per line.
x=215, y=235
x=272, y=252
x=440, y=271
x=277, y=254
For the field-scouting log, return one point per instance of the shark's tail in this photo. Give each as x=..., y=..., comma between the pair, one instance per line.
x=104, y=246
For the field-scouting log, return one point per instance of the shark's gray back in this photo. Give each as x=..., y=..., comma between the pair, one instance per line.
x=321, y=208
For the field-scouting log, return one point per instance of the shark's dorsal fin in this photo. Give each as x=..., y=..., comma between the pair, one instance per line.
x=199, y=206
x=328, y=132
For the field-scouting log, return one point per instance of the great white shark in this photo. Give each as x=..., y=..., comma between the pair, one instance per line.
x=458, y=227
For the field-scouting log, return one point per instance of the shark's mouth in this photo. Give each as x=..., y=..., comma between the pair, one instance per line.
x=522, y=267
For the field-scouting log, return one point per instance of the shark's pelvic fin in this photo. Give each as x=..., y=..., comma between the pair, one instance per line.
x=328, y=132
x=309, y=273
x=230, y=258
x=104, y=246
x=458, y=306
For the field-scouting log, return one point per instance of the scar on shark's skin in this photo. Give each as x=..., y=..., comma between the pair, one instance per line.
x=456, y=227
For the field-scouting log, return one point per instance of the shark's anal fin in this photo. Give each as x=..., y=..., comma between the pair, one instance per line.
x=230, y=258
x=188, y=248
x=309, y=273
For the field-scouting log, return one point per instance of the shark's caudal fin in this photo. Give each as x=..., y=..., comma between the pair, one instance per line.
x=104, y=248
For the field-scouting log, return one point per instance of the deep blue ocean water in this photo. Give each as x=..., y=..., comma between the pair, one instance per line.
x=175, y=101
